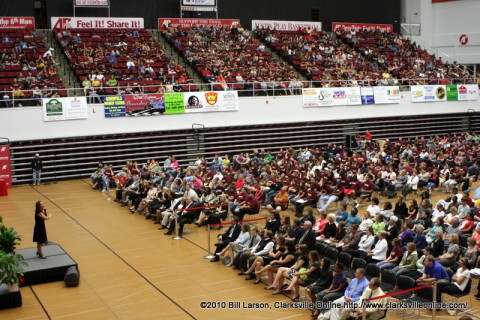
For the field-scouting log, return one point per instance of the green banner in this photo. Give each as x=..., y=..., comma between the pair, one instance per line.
x=452, y=92
x=174, y=103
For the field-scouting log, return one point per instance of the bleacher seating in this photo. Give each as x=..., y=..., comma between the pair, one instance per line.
x=360, y=58
x=23, y=66
x=230, y=58
x=122, y=55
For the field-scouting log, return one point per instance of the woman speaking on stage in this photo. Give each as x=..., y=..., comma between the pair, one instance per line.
x=39, y=232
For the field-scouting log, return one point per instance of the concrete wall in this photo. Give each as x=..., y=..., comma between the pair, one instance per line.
x=27, y=123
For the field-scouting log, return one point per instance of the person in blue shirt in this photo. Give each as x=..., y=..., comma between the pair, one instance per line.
x=342, y=214
x=353, y=218
x=433, y=271
x=353, y=293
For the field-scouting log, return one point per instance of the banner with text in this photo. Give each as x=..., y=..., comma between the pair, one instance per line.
x=198, y=2
x=91, y=3
x=96, y=23
x=462, y=92
x=169, y=103
x=432, y=93
x=58, y=109
x=285, y=25
x=5, y=169
x=347, y=26
x=322, y=97
x=17, y=23
x=189, y=23
x=350, y=96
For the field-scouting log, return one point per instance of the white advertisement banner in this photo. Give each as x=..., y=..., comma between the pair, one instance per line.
x=285, y=25
x=96, y=23
x=467, y=92
x=387, y=94
x=432, y=93
x=211, y=101
x=58, y=109
x=198, y=2
x=321, y=97
x=93, y=3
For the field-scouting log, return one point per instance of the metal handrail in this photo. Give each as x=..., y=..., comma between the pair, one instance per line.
x=250, y=88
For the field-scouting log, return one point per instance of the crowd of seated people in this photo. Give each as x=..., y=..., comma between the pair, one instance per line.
x=413, y=240
x=352, y=58
x=121, y=61
x=231, y=58
x=27, y=69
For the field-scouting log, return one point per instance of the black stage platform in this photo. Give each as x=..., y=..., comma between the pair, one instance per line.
x=9, y=299
x=46, y=270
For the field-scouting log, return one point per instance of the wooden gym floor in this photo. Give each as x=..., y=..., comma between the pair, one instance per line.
x=128, y=268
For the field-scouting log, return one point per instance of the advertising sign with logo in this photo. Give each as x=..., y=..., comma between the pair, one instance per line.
x=367, y=95
x=354, y=96
x=91, y=3
x=55, y=109
x=285, y=25
x=5, y=169
x=462, y=92
x=114, y=106
x=387, y=94
x=211, y=101
x=432, y=93
x=96, y=23
x=189, y=23
x=174, y=103
x=17, y=23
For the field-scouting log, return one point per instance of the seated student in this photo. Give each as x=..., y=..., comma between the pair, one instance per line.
x=283, y=273
x=395, y=256
x=260, y=261
x=433, y=271
x=323, y=281
x=305, y=275
x=471, y=254
x=295, y=232
x=342, y=214
x=335, y=290
x=438, y=245
x=407, y=233
x=378, y=224
x=330, y=228
x=285, y=225
x=339, y=234
x=379, y=252
x=372, y=311
x=459, y=281
x=409, y=260
x=240, y=243
x=415, y=274
x=353, y=218
x=353, y=293
x=228, y=236
x=351, y=239
x=364, y=246
x=320, y=224
x=450, y=257
x=238, y=252
x=287, y=260
x=273, y=222
x=419, y=238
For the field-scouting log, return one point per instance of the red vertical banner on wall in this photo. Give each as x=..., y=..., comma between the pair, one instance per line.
x=5, y=172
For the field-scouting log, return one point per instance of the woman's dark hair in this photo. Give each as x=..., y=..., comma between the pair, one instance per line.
x=290, y=245
x=37, y=205
x=326, y=264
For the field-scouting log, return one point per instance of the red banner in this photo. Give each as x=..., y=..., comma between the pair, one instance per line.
x=347, y=26
x=5, y=172
x=17, y=23
x=135, y=102
x=96, y=23
x=189, y=23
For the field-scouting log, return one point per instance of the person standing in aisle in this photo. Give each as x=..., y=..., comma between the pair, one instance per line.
x=37, y=166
